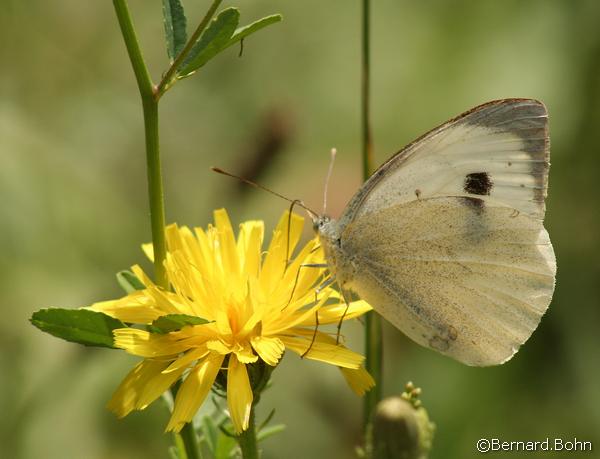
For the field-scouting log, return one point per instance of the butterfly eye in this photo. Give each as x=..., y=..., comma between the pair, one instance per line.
x=319, y=223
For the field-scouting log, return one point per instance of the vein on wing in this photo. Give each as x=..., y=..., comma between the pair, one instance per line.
x=461, y=262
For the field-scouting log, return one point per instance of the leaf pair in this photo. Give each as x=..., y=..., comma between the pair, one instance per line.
x=92, y=328
x=221, y=33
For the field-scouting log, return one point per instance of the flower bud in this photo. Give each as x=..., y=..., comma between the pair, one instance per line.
x=401, y=431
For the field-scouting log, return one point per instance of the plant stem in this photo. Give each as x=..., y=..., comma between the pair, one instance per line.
x=367, y=140
x=247, y=439
x=170, y=73
x=190, y=442
x=150, y=107
x=373, y=335
x=155, y=191
x=186, y=441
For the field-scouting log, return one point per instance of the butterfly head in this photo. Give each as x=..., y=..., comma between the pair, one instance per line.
x=328, y=232
x=320, y=222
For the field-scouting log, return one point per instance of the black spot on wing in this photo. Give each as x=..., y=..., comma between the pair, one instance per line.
x=478, y=205
x=478, y=183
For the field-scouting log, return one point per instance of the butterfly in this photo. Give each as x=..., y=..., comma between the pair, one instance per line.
x=446, y=239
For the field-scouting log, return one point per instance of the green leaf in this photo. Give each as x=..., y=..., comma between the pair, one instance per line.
x=129, y=281
x=225, y=446
x=210, y=433
x=270, y=431
x=175, y=27
x=82, y=326
x=173, y=322
x=212, y=41
x=243, y=32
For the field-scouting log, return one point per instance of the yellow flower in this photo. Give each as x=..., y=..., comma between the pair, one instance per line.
x=257, y=304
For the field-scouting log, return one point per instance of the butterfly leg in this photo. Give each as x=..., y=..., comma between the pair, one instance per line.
x=314, y=336
x=289, y=227
x=325, y=284
x=308, y=265
x=339, y=325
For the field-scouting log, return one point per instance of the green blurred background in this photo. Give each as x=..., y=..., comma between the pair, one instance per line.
x=74, y=208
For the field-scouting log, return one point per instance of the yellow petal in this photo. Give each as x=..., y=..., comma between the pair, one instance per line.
x=172, y=237
x=137, y=307
x=206, y=252
x=269, y=349
x=290, y=318
x=186, y=359
x=323, y=351
x=239, y=394
x=305, y=277
x=332, y=314
x=249, y=246
x=141, y=275
x=148, y=250
x=360, y=381
x=275, y=261
x=125, y=397
x=156, y=386
x=167, y=302
x=218, y=346
x=189, y=293
x=193, y=391
x=145, y=344
x=141, y=386
x=229, y=255
x=244, y=354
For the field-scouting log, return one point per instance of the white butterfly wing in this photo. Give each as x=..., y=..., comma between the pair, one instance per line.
x=507, y=140
x=446, y=239
x=469, y=283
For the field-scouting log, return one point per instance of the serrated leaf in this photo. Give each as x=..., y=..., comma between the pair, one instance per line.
x=175, y=27
x=243, y=32
x=129, y=281
x=82, y=326
x=174, y=322
x=212, y=41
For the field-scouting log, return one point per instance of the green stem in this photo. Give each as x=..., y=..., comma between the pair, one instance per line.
x=186, y=441
x=190, y=441
x=170, y=73
x=367, y=140
x=373, y=335
x=150, y=106
x=155, y=191
x=247, y=439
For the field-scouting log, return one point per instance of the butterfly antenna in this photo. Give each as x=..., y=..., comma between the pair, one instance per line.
x=311, y=212
x=329, y=171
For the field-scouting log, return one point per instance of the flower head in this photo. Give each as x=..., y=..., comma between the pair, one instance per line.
x=257, y=305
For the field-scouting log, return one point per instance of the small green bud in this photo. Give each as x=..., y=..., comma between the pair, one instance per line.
x=401, y=430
